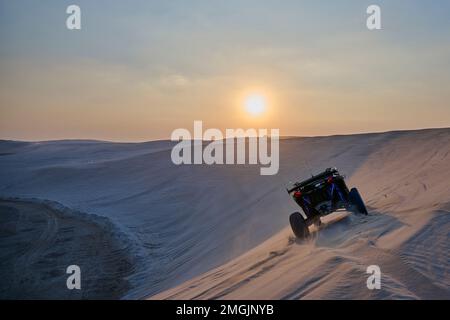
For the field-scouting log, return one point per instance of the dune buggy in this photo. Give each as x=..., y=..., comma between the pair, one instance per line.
x=322, y=195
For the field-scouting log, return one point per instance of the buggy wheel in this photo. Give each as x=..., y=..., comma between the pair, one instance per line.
x=357, y=201
x=298, y=225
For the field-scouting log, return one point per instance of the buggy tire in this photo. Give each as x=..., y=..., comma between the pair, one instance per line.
x=299, y=225
x=357, y=201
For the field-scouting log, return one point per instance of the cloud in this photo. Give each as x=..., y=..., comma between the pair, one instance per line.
x=175, y=80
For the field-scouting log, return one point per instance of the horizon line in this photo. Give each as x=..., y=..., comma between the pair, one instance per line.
x=169, y=140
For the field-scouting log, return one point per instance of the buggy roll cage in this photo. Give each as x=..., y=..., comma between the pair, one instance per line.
x=315, y=178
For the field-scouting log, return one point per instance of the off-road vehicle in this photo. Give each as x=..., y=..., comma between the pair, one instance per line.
x=321, y=195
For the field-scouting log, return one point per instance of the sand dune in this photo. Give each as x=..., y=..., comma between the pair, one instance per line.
x=40, y=240
x=213, y=232
x=405, y=183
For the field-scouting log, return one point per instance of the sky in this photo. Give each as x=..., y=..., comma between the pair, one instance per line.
x=137, y=70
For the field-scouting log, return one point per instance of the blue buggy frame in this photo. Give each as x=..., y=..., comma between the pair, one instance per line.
x=321, y=195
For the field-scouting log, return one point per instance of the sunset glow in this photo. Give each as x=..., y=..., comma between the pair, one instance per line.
x=255, y=104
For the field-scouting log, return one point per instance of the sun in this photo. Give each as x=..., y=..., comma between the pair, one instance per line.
x=255, y=104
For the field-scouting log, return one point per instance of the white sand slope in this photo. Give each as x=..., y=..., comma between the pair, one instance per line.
x=405, y=182
x=221, y=231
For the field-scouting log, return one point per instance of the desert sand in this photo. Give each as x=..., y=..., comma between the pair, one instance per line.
x=221, y=232
x=39, y=242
